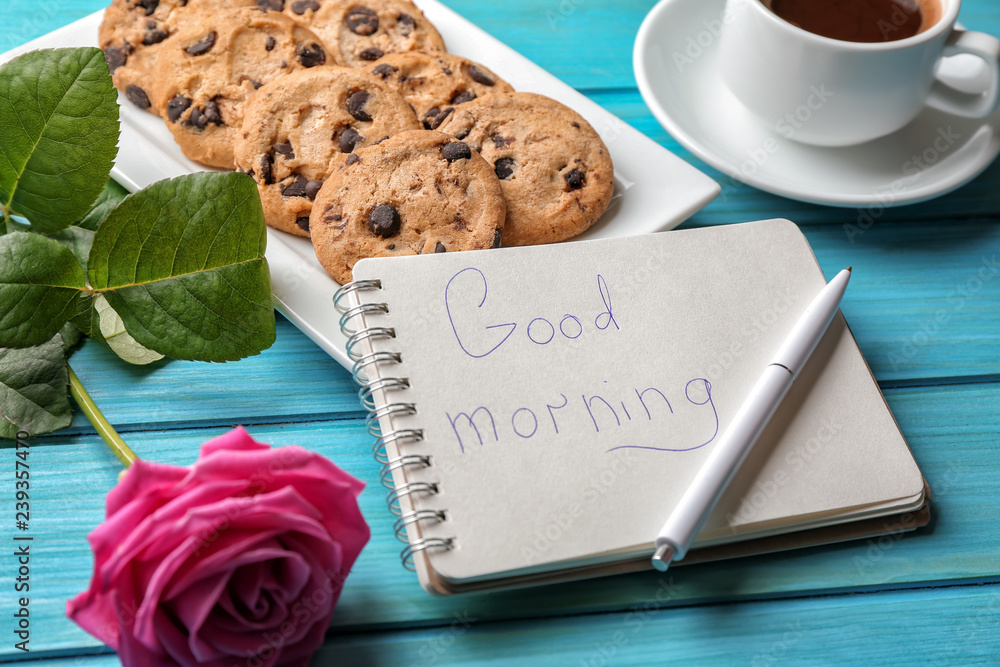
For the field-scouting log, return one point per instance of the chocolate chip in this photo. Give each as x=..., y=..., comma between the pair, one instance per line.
x=311, y=55
x=356, y=105
x=574, y=179
x=464, y=96
x=575, y=124
x=296, y=188
x=269, y=43
x=312, y=188
x=202, y=47
x=256, y=85
x=436, y=116
x=380, y=140
x=406, y=24
x=352, y=158
x=349, y=139
x=154, y=37
x=266, y=174
x=285, y=150
x=362, y=21
x=149, y=5
x=501, y=141
x=273, y=5
x=371, y=54
x=176, y=107
x=137, y=96
x=213, y=114
x=384, y=221
x=115, y=57
x=456, y=150
x=497, y=238
x=463, y=133
x=504, y=167
x=440, y=247
x=302, y=6
x=392, y=246
x=197, y=119
x=479, y=76
x=384, y=70
x=303, y=222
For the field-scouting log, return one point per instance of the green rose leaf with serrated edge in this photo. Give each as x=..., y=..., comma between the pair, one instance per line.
x=182, y=262
x=59, y=130
x=119, y=340
x=41, y=288
x=79, y=236
x=34, y=389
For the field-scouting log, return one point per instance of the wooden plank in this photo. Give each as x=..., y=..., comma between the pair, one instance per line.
x=587, y=44
x=739, y=202
x=551, y=34
x=952, y=626
x=913, y=325
x=955, y=626
x=294, y=380
x=958, y=455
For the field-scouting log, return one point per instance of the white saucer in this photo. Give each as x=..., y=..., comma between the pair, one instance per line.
x=674, y=59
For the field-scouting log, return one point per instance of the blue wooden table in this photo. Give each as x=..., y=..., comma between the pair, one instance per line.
x=925, y=313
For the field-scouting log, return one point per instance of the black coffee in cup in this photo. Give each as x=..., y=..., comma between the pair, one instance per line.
x=859, y=20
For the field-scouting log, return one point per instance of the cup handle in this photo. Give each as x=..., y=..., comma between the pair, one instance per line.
x=945, y=98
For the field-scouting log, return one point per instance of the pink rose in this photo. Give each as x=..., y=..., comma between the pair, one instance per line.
x=238, y=560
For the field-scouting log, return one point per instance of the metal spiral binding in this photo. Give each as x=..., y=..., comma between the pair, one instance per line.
x=365, y=374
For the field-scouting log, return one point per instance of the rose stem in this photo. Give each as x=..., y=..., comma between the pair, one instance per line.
x=104, y=428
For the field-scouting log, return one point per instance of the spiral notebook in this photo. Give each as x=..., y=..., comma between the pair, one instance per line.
x=539, y=410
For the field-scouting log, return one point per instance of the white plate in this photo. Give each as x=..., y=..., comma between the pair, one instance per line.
x=675, y=67
x=654, y=189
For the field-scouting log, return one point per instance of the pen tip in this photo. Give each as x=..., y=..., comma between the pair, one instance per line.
x=849, y=269
x=661, y=559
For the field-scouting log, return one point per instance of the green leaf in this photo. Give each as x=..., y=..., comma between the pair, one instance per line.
x=182, y=262
x=58, y=134
x=79, y=236
x=119, y=340
x=78, y=241
x=88, y=321
x=70, y=337
x=41, y=288
x=34, y=389
x=106, y=201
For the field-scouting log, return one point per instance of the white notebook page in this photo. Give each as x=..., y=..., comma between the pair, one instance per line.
x=568, y=394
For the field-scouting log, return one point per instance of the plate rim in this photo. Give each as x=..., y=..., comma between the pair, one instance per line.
x=321, y=327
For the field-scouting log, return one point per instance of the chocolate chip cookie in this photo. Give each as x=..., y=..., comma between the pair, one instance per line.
x=133, y=32
x=416, y=192
x=215, y=64
x=555, y=171
x=365, y=30
x=296, y=127
x=434, y=83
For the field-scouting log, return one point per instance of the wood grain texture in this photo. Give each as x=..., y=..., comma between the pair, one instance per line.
x=958, y=458
x=951, y=626
x=930, y=332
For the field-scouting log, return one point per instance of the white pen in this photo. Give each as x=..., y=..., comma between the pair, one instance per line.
x=726, y=458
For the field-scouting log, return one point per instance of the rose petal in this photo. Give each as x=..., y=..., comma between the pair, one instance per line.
x=143, y=479
x=241, y=556
x=236, y=440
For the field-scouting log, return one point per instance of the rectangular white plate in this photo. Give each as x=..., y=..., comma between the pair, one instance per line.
x=654, y=189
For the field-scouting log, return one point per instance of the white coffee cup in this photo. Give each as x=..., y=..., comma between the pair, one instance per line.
x=830, y=92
